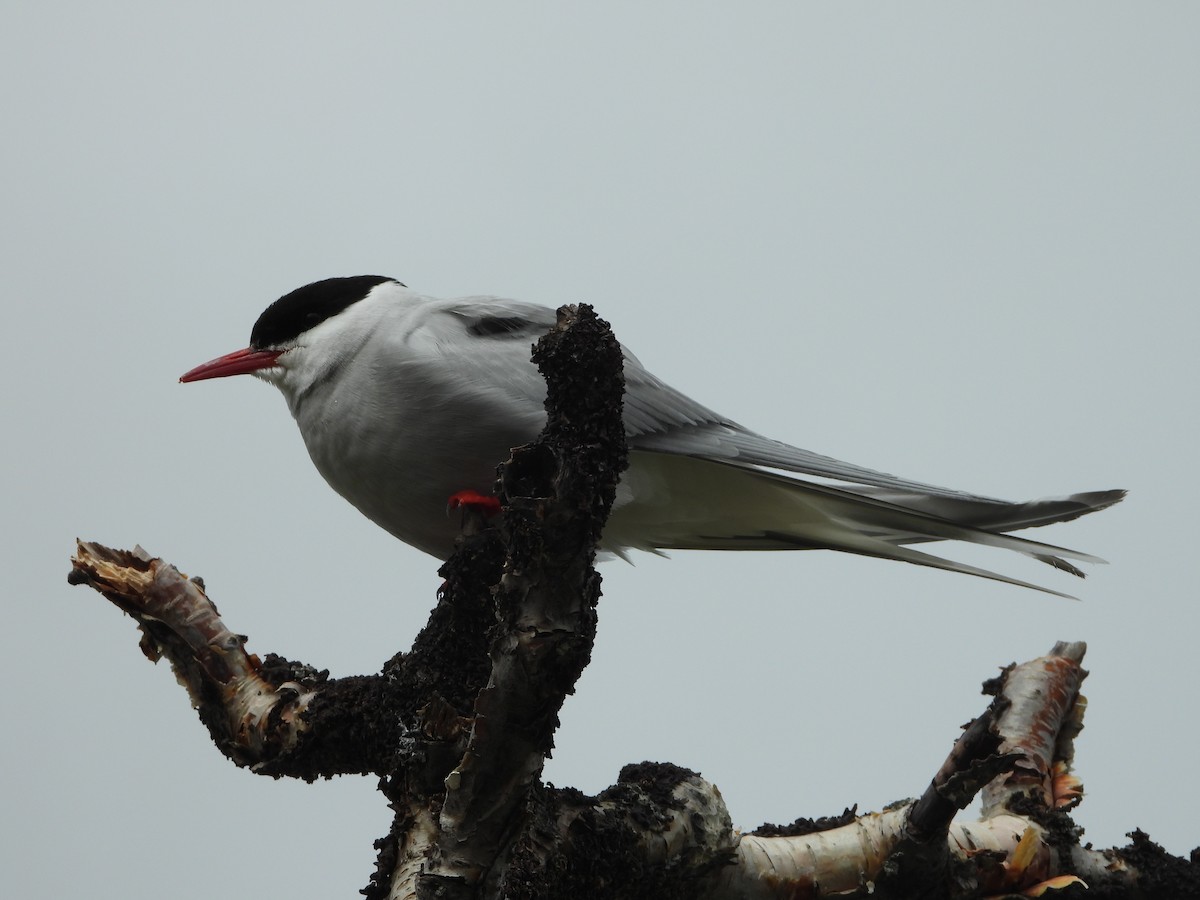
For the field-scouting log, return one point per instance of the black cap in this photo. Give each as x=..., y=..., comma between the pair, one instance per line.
x=304, y=308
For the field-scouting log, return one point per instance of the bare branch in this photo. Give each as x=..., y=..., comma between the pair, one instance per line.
x=1040, y=724
x=459, y=727
x=545, y=602
x=250, y=719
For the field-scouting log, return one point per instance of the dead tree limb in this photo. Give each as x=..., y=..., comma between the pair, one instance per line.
x=459, y=726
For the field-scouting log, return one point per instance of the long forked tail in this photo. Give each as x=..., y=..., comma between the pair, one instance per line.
x=998, y=516
x=866, y=546
x=689, y=503
x=883, y=528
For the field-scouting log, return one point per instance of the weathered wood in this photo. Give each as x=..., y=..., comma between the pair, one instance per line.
x=459, y=726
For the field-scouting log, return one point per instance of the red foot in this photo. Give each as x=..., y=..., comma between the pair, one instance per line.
x=473, y=500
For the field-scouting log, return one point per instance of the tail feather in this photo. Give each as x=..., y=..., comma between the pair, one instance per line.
x=669, y=502
x=866, y=546
x=898, y=524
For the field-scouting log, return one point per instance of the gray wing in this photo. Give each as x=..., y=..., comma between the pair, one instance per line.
x=661, y=419
x=498, y=320
x=490, y=339
x=657, y=416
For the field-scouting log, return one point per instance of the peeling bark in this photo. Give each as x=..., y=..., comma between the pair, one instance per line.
x=458, y=727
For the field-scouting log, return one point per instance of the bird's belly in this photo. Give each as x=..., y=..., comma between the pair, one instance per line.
x=402, y=481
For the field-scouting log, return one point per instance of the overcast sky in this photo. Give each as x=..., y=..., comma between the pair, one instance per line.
x=941, y=240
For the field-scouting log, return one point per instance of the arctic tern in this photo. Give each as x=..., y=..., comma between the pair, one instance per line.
x=404, y=400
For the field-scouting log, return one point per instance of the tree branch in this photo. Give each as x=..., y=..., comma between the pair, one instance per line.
x=553, y=513
x=458, y=727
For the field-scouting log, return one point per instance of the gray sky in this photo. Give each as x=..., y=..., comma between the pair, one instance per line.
x=945, y=241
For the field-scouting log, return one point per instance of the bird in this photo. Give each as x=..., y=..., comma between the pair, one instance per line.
x=405, y=400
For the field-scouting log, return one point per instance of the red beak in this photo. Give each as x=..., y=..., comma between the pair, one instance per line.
x=239, y=362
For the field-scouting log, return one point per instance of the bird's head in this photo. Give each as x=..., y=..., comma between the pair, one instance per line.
x=303, y=336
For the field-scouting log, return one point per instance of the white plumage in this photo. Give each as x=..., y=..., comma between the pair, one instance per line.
x=404, y=400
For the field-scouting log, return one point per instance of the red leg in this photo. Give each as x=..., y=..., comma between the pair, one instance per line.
x=481, y=503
